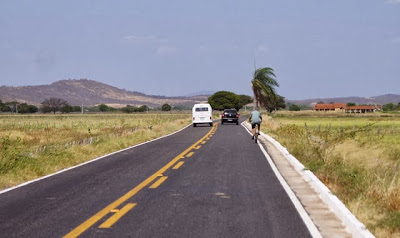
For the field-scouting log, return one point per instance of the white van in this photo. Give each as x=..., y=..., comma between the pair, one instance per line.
x=202, y=114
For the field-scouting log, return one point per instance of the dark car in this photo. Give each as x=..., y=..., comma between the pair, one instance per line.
x=230, y=115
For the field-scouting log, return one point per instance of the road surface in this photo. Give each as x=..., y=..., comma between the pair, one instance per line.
x=200, y=182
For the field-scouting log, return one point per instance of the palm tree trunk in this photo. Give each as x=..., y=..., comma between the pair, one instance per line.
x=255, y=102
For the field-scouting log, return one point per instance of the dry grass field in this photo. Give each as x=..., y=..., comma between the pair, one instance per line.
x=35, y=145
x=356, y=156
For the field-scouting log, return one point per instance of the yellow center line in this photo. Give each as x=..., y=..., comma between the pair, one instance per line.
x=99, y=215
x=178, y=165
x=158, y=182
x=114, y=218
x=189, y=154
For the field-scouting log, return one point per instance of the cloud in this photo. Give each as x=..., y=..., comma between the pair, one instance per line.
x=166, y=50
x=393, y=1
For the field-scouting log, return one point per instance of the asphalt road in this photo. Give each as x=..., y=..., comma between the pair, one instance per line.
x=224, y=188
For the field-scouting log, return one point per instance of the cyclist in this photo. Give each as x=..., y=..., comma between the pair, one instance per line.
x=255, y=119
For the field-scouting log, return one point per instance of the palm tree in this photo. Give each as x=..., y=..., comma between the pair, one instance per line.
x=263, y=84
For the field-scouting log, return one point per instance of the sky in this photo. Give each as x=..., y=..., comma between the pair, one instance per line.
x=317, y=48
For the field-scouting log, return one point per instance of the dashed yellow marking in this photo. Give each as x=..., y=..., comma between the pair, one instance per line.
x=115, y=210
x=189, y=154
x=203, y=142
x=197, y=147
x=178, y=165
x=114, y=218
x=158, y=182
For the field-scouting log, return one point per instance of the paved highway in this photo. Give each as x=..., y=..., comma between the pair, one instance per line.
x=200, y=182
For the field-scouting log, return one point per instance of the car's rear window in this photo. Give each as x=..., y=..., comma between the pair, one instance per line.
x=201, y=109
x=230, y=111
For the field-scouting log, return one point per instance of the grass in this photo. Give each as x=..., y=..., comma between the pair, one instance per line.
x=356, y=156
x=33, y=146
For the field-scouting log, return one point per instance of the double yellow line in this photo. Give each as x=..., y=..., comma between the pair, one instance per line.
x=118, y=213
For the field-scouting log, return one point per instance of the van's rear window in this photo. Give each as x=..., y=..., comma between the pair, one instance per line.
x=201, y=109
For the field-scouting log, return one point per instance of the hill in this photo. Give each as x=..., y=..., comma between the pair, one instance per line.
x=89, y=92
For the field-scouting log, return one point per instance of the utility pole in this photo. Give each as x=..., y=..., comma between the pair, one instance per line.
x=82, y=108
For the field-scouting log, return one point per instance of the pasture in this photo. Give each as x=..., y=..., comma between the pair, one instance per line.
x=356, y=156
x=35, y=145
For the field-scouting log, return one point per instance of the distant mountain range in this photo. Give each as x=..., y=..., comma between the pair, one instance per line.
x=382, y=99
x=89, y=92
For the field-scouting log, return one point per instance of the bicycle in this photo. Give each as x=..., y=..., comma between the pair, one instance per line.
x=256, y=134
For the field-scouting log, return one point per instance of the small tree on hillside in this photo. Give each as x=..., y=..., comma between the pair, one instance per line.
x=349, y=104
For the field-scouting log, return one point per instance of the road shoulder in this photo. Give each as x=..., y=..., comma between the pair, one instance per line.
x=328, y=224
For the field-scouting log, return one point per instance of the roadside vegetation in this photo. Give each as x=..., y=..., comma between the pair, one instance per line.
x=356, y=156
x=32, y=146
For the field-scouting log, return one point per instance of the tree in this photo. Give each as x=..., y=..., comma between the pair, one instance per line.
x=13, y=106
x=53, y=105
x=103, y=107
x=224, y=100
x=166, y=107
x=27, y=108
x=245, y=99
x=143, y=108
x=66, y=108
x=294, y=107
x=275, y=103
x=263, y=86
x=349, y=104
x=129, y=109
x=76, y=109
x=388, y=107
x=4, y=107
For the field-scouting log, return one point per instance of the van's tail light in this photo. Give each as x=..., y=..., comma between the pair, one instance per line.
x=193, y=118
x=237, y=115
x=210, y=118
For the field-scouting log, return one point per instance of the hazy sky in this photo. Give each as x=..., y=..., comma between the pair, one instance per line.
x=318, y=48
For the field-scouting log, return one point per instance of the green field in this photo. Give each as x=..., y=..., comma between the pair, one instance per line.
x=36, y=145
x=356, y=156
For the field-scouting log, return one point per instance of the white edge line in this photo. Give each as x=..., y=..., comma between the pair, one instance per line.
x=300, y=209
x=88, y=162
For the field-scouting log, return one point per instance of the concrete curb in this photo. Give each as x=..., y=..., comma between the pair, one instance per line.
x=355, y=227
